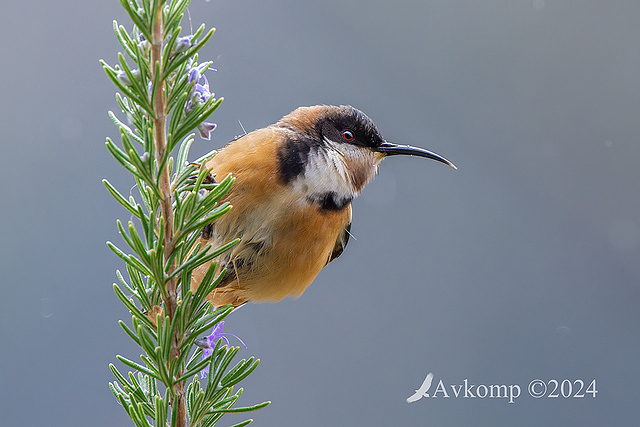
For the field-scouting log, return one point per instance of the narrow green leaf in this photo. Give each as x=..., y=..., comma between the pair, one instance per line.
x=244, y=409
x=201, y=258
x=165, y=334
x=170, y=43
x=222, y=188
x=197, y=223
x=176, y=12
x=209, y=321
x=161, y=414
x=141, y=290
x=224, y=363
x=120, y=198
x=239, y=372
x=147, y=343
x=119, y=377
x=130, y=133
x=129, y=332
x=244, y=374
x=130, y=260
x=123, y=38
x=196, y=116
x=157, y=82
x=137, y=244
x=138, y=416
x=227, y=402
x=178, y=95
x=125, y=284
x=243, y=424
x=204, y=287
x=120, y=156
x=113, y=76
x=135, y=311
x=137, y=19
x=137, y=366
x=194, y=370
x=117, y=391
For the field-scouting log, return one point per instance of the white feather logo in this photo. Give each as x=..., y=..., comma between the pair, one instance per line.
x=422, y=391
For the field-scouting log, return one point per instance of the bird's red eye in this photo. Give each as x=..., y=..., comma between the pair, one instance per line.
x=347, y=135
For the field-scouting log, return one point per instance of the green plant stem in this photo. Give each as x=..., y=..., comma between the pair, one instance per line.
x=166, y=205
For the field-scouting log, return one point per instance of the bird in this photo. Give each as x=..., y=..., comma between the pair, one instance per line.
x=291, y=200
x=422, y=391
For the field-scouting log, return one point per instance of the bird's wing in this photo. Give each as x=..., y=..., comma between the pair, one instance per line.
x=414, y=397
x=426, y=384
x=341, y=243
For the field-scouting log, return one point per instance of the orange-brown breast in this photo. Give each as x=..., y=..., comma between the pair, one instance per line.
x=295, y=237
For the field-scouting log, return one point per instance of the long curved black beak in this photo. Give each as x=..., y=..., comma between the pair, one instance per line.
x=389, y=149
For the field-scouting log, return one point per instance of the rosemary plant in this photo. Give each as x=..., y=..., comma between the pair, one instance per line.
x=164, y=97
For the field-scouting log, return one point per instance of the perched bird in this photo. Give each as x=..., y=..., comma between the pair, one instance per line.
x=294, y=183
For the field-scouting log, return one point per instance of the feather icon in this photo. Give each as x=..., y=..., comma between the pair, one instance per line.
x=422, y=391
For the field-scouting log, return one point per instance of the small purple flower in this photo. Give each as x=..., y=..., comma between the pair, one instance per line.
x=195, y=73
x=199, y=95
x=183, y=43
x=208, y=343
x=205, y=129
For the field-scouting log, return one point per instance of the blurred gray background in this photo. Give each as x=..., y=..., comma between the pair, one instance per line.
x=522, y=264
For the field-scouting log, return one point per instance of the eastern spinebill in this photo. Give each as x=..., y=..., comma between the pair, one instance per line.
x=291, y=200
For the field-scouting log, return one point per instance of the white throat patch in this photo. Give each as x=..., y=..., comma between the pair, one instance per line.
x=331, y=168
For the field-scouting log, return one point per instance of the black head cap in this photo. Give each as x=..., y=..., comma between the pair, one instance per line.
x=349, y=125
x=331, y=122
